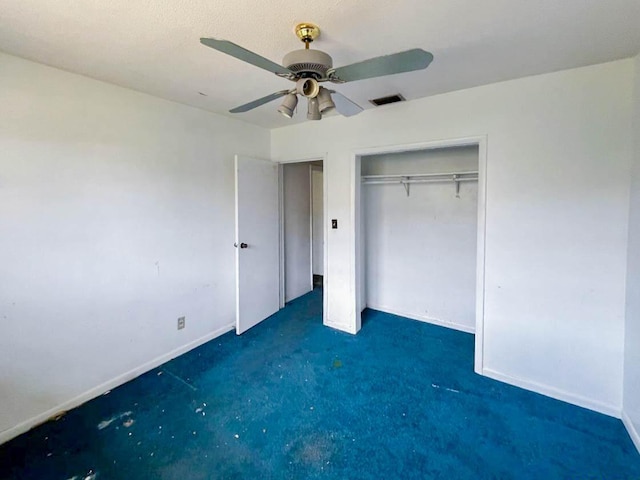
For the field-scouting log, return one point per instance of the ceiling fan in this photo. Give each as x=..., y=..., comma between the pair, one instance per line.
x=308, y=68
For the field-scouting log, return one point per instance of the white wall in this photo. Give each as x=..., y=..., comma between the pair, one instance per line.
x=317, y=217
x=558, y=160
x=297, y=229
x=632, y=332
x=420, y=250
x=116, y=218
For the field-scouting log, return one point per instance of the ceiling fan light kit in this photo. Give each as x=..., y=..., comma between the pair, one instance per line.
x=308, y=87
x=325, y=103
x=313, y=110
x=308, y=68
x=288, y=105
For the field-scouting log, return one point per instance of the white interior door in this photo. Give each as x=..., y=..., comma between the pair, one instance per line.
x=257, y=241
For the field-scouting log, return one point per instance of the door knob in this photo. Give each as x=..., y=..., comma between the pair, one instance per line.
x=242, y=245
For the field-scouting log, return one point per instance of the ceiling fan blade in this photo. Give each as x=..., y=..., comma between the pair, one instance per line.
x=245, y=55
x=415, y=59
x=344, y=106
x=261, y=101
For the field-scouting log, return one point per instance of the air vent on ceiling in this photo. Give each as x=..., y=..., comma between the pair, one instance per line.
x=387, y=100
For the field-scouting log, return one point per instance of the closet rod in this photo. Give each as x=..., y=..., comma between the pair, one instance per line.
x=425, y=180
x=407, y=180
x=416, y=175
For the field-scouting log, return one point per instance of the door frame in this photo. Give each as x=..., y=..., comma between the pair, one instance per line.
x=315, y=168
x=314, y=158
x=358, y=236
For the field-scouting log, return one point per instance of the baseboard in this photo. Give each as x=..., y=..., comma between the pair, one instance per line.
x=552, y=392
x=633, y=433
x=424, y=318
x=27, y=425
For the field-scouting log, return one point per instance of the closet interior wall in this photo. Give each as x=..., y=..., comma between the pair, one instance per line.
x=420, y=241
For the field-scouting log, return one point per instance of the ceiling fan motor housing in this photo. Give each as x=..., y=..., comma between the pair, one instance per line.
x=308, y=63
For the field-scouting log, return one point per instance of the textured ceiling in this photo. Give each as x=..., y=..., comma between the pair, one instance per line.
x=153, y=45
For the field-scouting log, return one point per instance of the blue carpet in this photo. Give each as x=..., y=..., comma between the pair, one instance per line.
x=292, y=399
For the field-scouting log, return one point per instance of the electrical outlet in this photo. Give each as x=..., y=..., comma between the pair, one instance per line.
x=181, y=322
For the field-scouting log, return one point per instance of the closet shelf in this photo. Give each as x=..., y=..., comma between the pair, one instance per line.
x=407, y=179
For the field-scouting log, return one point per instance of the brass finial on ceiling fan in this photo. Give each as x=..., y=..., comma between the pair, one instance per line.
x=307, y=32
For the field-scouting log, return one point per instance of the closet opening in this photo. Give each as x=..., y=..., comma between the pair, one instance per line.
x=301, y=229
x=420, y=234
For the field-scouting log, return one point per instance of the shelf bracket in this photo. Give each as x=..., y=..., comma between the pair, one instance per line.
x=406, y=184
x=457, y=182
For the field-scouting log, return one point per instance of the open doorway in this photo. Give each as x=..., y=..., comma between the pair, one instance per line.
x=280, y=236
x=301, y=229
